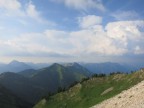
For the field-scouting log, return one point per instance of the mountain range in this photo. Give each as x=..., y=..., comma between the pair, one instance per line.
x=107, y=67
x=17, y=66
x=30, y=85
x=64, y=85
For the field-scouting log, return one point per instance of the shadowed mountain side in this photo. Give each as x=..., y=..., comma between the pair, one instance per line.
x=9, y=100
x=21, y=86
x=28, y=72
x=31, y=85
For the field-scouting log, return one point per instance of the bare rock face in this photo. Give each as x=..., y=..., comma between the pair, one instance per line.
x=142, y=70
x=107, y=90
x=131, y=98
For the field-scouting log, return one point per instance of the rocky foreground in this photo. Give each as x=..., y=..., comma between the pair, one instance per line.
x=131, y=98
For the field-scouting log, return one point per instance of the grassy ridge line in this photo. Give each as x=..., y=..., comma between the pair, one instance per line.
x=91, y=92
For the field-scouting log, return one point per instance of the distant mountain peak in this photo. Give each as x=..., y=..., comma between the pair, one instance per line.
x=71, y=64
x=56, y=64
x=53, y=66
x=14, y=61
x=16, y=66
x=76, y=64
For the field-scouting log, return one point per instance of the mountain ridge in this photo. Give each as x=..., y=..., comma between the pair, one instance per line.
x=92, y=91
x=31, y=84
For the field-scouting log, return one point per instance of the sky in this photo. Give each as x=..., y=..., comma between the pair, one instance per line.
x=72, y=30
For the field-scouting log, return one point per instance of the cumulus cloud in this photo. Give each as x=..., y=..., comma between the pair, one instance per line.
x=125, y=31
x=83, y=4
x=116, y=38
x=89, y=21
x=46, y=43
x=23, y=12
x=33, y=13
x=11, y=8
x=10, y=4
x=95, y=41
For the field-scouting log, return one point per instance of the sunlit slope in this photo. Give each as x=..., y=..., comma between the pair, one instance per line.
x=92, y=91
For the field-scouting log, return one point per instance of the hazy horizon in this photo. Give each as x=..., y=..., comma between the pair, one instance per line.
x=136, y=64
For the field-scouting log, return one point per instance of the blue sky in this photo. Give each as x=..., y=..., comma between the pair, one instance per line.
x=72, y=30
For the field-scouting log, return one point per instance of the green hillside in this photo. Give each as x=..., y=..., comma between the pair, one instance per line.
x=28, y=72
x=92, y=91
x=55, y=76
x=31, y=85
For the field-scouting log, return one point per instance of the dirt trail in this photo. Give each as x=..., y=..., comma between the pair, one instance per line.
x=131, y=98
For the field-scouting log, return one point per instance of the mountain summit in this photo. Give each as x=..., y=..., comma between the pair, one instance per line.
x=17, y=66
x=59, y=76
x=14, y=66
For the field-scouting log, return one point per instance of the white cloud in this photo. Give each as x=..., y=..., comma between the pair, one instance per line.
x=124, y=31
x=83, y=4
x=56, y=34
x=116, y=38
x=1, y=28
x=35, y=44
x=139, y=50
x=126, y=15
x=32, y=12
x=93, y=41
x=10, y=4
x=23, y=12
x=11, y=8
x=89, y=21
